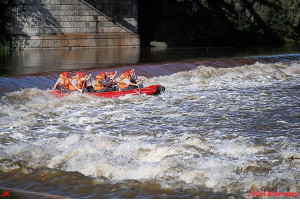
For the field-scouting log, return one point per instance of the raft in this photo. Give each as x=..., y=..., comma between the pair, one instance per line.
x=150, y=90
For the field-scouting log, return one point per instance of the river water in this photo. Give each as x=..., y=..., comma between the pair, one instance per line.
x=227, y=124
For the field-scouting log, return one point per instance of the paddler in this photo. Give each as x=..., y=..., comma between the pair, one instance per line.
x=133, y=77
x=62, y=83
x=86, y=78
x=111, y=76
x=77, y=82
x=101, y=85
x=126, y=83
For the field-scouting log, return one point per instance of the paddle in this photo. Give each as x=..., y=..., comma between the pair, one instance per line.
x=85, y=81
x=134, y=75
x=136, y=82
x=113, y=78
x=139, y=89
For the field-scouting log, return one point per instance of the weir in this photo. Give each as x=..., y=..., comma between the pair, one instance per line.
x=47, y=80
x=74, y=23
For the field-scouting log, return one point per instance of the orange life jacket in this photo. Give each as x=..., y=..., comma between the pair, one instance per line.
x=99, y=86
x=123, y=85
x=64, y=82
x=79, y=83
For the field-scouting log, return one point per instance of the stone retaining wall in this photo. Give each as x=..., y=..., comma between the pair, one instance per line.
x=74, y=23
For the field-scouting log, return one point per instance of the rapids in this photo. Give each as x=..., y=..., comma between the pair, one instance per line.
x=215, y=133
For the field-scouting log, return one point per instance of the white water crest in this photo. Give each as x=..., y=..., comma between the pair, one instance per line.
x=229, y=130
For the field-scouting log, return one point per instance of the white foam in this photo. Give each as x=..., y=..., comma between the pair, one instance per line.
x=237, y=149
x=290, y=154
x=17, y=136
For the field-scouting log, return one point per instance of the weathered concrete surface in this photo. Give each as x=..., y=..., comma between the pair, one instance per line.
x=74, y=23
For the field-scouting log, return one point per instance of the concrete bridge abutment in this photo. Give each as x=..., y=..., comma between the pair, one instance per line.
x=74, y=24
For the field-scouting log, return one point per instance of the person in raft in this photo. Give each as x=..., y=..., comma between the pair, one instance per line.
x=85, y=86
x=133, y=77
x=77, y=82
x=101, y=85
x=62, y=83
x=126, y=83
x=82, y=75
x=111, y=76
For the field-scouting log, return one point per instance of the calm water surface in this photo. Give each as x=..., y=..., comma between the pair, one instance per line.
x=225, y=126
x=57, y=60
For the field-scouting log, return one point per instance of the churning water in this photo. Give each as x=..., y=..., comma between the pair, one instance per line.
x=215, y=132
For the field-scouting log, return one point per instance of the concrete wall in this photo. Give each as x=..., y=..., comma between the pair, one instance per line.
x=74, y=23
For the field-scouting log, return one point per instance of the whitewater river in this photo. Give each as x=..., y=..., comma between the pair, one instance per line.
x=223, y=128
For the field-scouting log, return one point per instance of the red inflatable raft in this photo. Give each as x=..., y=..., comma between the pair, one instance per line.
x=150, y=90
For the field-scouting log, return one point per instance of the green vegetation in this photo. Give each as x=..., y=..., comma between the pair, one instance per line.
x=4, y=18
x=206, y=22
x=219, y=22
